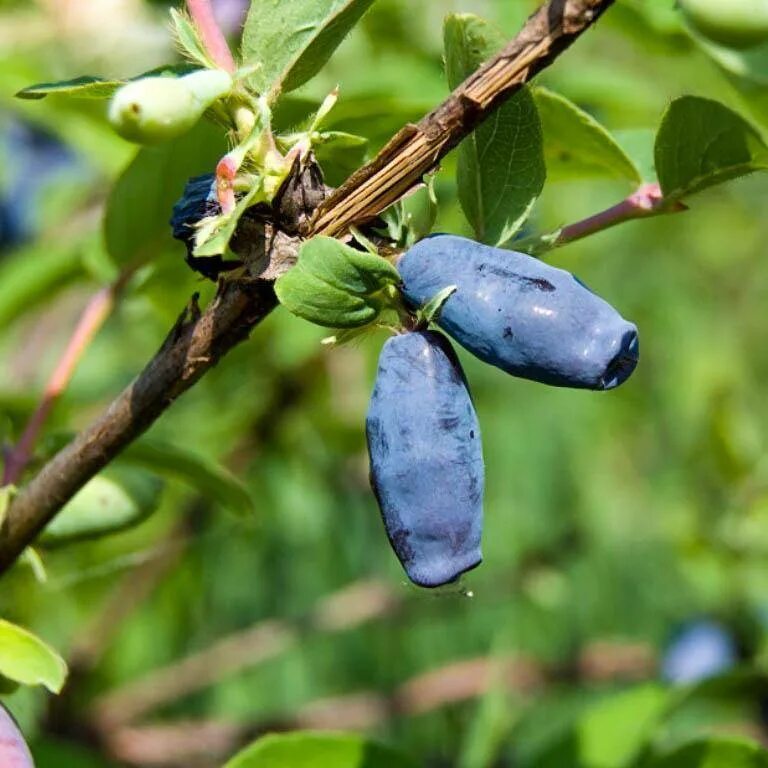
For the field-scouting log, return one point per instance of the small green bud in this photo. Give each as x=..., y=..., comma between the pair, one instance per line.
x=733, y=23
x=157, y=109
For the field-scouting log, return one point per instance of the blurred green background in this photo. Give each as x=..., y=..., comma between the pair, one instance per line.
x=610, y=518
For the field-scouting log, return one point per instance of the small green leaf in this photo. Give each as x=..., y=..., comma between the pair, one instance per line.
x=111, y=502
x=139, y=207
x=334, y=285
x=188, y=40
x=419, y=213
x=576, y=145
x=339, y=155
x=318, y=750
x=221, y=229
x=501, y=169
x=291, y=40
x=701, y=143
x=27, y=660
x=199, y=472
x=431, y=310
x=85, y=87
x=88, y=87
x=713, y=753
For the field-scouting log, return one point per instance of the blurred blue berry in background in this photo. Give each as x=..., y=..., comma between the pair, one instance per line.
x=699, y=650
x=231, y=15
x=33, y=160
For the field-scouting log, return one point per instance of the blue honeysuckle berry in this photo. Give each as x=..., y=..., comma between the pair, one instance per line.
x=521, y=315
x=14, y=752
x=198, y=201
x=700, y=649
x=426, y=458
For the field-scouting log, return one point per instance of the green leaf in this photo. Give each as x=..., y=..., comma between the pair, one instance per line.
x=188, y=40
x=111, y=502
x=339, y=155
x=85, y=87
x=576, y=145
x=501, y=169
x=614, y=731
x=431, y=310
x=27, y=660
x=222, y=228
x=334, y=285
x=290, y=40
x=88, y=87
x=714, y=753
x=701, y=143
x=199, y=472
x=139, y=207
x=318, y=750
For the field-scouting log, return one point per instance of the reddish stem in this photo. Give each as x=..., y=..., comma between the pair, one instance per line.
x=648, y=200
x=92, y=319
x=211, y=35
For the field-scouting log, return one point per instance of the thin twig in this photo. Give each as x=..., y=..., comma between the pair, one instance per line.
x=210, y=33
x=196, y=345
x=417, y=149
x=647, y=201
x=92, y=319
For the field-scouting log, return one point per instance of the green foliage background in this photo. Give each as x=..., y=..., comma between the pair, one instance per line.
x=609, y=517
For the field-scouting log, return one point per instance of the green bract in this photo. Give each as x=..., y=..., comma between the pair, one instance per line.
x=733, y=23
x=157, y=109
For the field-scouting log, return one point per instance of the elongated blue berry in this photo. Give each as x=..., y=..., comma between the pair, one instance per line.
x=521, y=315
x=426, y=458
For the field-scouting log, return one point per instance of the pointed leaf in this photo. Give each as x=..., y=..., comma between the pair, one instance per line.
x=188, y=39
x=85, y=87
x=290, y=40
x=339, y=155
x=111, y=502
x=318, y=750
x=88, y=87
x=200, y=472
x=501, y=169
x=26, y=659
x=217, y=240
x=576, y=145
x=701, y=143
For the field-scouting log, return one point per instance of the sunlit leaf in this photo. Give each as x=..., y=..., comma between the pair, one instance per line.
x=26, y=659
x=501, y=169
x=290, y=40
x=318, y=750
x=702, y=143
x=578, y=146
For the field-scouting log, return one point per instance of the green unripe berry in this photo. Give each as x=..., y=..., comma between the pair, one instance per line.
x=157, y=109
x=733, y=23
